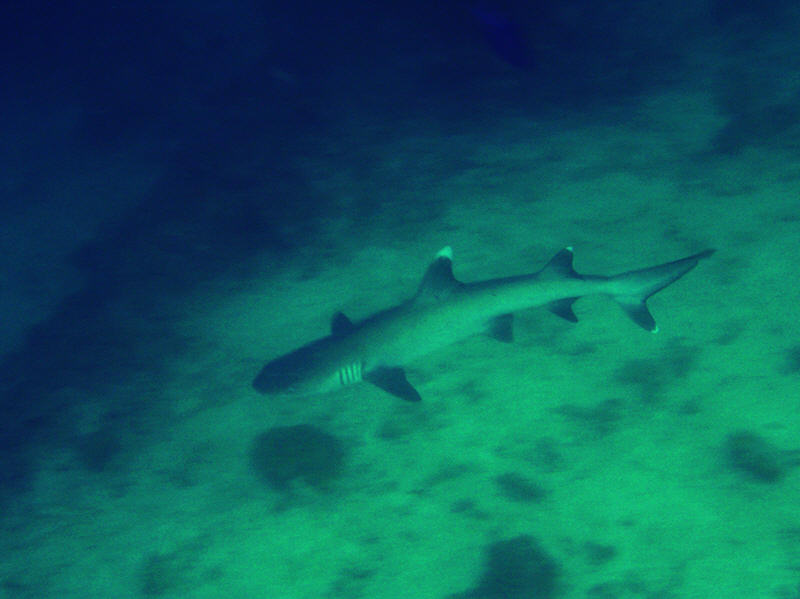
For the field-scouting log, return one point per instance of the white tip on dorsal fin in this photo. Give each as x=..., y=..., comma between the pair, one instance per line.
x=438, y=281
x=560, y=266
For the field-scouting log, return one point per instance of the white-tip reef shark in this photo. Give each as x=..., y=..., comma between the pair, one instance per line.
x=445, y=310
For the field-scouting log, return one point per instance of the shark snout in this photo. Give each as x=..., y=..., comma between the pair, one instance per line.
x=273, y=380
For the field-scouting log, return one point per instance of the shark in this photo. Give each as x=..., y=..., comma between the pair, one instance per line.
x=444, y=311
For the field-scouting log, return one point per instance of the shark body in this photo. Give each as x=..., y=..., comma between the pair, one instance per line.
x=444, y=311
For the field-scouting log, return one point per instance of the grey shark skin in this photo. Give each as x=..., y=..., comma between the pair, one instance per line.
x=444, y=311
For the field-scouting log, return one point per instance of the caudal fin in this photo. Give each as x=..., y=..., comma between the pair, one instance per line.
x=631, y=289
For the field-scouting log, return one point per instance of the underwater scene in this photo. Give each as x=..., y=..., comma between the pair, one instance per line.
x=306, y=300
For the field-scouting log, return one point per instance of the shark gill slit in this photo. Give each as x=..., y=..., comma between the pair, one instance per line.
x=350, y=374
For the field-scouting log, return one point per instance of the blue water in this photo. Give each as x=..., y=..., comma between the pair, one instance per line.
x=188, y=190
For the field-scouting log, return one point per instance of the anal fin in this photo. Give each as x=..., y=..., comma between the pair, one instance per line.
x=563, y=308
x=393, y=380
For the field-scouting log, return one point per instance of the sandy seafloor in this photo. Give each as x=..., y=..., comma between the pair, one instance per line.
x=615, y=437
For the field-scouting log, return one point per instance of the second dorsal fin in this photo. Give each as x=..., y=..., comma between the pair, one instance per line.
x=559, y=267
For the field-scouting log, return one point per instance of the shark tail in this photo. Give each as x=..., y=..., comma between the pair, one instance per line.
x=632, y=289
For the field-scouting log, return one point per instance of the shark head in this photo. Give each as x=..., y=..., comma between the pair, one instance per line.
x=312, y=369
x=282, y=376
x=296, y=373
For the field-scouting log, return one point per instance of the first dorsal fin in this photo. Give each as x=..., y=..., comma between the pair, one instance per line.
x=341, y=325
x=438, y=281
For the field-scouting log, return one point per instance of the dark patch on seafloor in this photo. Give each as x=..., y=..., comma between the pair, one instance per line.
x=516, y=487
x=302, y=452
x=516, y=568
x=792, y=363
x=653, y=376
x=759, y=459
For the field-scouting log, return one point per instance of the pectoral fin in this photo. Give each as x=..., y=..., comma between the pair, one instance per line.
x=393, y=380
